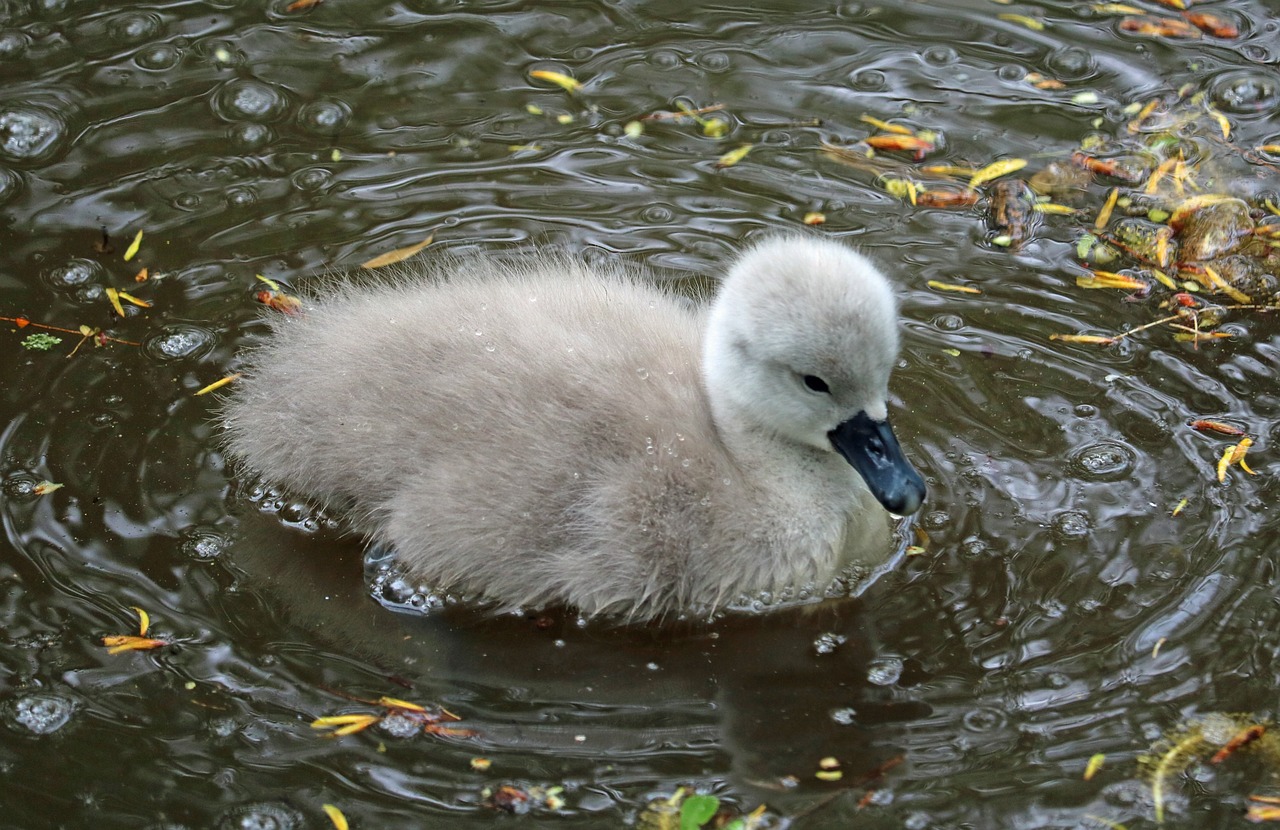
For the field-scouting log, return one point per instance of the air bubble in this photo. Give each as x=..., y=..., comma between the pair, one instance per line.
x=884, y=671
x=248, y=136
x=846, y=716
x=1103, y=461
x=179, y=342
x=13, y=45
x=324, y=117
x=249, y=100
x=158, y=57
x=312, y=179
x=135, y=27
x=74, y=274
x=982, y=720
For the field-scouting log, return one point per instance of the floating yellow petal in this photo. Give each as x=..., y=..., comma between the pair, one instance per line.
x=1225, y=287
x=397, y=703
x=127, y=297
x=1095, y=764
x=886, y=126
x=133, y=247
x=217, y=384
x=272, y=284
x=1234, y=455
x=114, y=297
x=144, y=621
x=1083, y=338
x=734, y=156
x=948, y=286
x=398, y=255
x=346, y=724
x=1109, y=279
x=335, y=815
x=1030, y=22
x=1104, y=215
x=565, y=82
x=1223, y=123
x=997, y=169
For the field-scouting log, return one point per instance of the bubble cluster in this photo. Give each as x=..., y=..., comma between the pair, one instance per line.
x=41, y=713
x=203, y=545
x=1245, y=92
x=828, y=643
x=20, y=487
x=30, y=134
x=181, y=341
x=1102, y=461
x=1070, y=525
x=266, y=815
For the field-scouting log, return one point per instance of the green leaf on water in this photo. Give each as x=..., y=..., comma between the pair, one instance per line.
x=40, y=342
x=697, y=810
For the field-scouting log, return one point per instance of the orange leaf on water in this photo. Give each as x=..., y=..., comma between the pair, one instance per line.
x=565, y=82
x=905, y=143
x=1203, y=425
x=1213, y=24
x=398, y=255
x=1159, y=27
x=118, y=643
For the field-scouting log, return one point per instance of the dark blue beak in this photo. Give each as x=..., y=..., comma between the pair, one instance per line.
x=871, y=447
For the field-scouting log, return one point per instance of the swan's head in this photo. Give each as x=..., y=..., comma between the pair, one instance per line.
x=800, y=343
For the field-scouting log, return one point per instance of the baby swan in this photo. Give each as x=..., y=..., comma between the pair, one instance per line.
x=537, y=431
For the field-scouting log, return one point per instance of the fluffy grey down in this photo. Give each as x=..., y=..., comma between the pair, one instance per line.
x=540, y=432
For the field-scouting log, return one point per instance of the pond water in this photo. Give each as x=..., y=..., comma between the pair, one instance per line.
x=1087, y=585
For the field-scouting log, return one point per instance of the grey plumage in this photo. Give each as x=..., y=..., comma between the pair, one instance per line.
x=538, y=431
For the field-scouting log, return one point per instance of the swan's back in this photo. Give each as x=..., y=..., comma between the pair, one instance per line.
x=500, y=411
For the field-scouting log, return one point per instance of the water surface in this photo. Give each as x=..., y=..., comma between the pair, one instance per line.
x=1059, y=609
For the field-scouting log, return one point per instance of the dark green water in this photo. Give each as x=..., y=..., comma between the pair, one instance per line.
x=1060, y=610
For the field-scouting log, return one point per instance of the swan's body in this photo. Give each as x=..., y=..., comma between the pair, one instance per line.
x=539, y=432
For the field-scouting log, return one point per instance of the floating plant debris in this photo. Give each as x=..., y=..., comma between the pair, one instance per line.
x=398, y=255
x=396, y=714
x=117, y=643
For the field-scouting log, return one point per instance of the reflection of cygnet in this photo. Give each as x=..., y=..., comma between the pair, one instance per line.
x=539, y=431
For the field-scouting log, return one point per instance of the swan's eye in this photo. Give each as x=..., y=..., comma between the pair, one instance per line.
x=816, y=383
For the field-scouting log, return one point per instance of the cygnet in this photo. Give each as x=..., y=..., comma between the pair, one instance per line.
x=538, y=431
